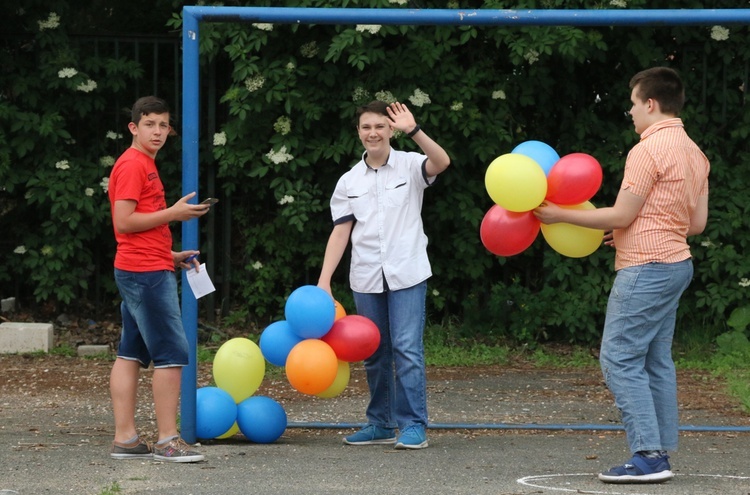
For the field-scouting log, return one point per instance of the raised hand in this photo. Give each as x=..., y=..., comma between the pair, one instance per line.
x=401, y=117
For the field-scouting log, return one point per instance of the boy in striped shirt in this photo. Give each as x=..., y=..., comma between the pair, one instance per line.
x=663, y=199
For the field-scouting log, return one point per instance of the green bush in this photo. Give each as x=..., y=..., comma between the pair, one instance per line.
x=284, y=133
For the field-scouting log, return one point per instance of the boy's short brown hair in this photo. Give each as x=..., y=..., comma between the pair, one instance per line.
x=663, y=85
x=376, y=106
x=146, y=105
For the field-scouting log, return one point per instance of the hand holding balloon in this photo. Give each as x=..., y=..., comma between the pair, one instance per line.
x=568, y=239
x=548, y=213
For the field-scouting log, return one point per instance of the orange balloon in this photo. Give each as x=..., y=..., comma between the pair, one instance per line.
x=311, y=366
x=340, y=311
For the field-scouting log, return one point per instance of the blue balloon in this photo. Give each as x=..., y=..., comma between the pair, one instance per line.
x=277, y=341
x=310, y=311
x=261, y=419
x=215, y=412
x=540, y=152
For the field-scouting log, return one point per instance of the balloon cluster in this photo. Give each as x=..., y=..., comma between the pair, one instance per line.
x=229, y=407
x=520, y=181
x=315, y=343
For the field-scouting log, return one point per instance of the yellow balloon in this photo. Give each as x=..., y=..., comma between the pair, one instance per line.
x=571, y=240
x=516, y=182
x=230, y=432
x=339, y=383
x=239, y=367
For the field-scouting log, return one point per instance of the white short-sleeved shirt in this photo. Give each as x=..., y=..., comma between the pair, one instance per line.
x=388, y=237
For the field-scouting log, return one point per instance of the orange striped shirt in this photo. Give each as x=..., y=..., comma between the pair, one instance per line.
x=668, y=169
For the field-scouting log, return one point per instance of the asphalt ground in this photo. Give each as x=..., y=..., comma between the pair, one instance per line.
x=502, y=432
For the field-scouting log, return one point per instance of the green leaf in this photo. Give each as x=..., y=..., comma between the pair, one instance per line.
x=740, y=318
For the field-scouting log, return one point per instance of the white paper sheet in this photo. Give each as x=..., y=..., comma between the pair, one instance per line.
x=200, y=282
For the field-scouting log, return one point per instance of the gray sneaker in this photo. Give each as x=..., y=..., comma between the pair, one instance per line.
x=135, y=450
x=176, y=450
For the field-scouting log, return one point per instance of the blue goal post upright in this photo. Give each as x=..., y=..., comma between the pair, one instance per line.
x=193, y=16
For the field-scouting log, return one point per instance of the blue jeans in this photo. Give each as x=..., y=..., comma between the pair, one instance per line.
x=151, y=320
x=636, y=351
x=396, y=371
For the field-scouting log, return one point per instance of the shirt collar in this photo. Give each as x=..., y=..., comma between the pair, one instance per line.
x=366, y=167
x=662, y=124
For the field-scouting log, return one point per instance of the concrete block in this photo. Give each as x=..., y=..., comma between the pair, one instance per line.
x=92, y=350
x=8, y=305
x=26, y=337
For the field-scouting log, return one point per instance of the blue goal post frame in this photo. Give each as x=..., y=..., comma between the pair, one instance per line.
x=193, y=16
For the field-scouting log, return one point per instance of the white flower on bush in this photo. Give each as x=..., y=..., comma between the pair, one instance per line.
x=457, y=106
x=113, y=135
x=66, y=72
x=254, y=83
x=62, y=165
x=531, y=56
x=87, y=87
x=286, y=199
x=360, y=94
x=88, y=192
x=107, y=161
x=719, y=33
x=707, y=243
x=399, y=2
x=385, y=96
x=309, y=50
x=53, y=21
x=435, y=292
x=283, y=125
x=618, y=3
x=220, y=139
x=498, y=94
x=744, y=282
x=290, y=66
x=20, y=250
x=104, y=184
x=280, y=156
x=257, y=265
x=263, y=26
x=419, y=98
x=368, y=28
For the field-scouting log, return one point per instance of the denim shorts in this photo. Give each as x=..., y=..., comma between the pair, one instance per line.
x=151, y=321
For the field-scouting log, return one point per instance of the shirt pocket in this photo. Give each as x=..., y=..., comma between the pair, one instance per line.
x=396, y=192
x=360, y=199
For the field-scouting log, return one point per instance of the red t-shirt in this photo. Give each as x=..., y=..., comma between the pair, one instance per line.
x=135, y=177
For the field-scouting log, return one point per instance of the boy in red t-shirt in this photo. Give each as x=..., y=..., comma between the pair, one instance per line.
x=152, y=328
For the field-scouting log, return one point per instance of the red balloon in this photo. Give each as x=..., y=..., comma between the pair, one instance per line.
x=574, y=179
x=353, y=338
x=506, y=233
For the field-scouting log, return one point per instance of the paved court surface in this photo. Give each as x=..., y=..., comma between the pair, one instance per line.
x=56, y=442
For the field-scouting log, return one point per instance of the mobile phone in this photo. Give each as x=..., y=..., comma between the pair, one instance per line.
x=209, y=201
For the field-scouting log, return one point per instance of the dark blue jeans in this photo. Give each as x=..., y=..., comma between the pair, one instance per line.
x=396, y=371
